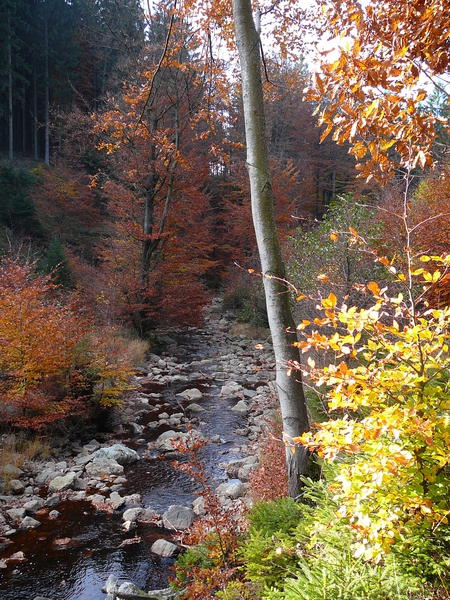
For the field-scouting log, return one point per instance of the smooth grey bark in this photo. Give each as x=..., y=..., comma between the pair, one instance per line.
x=282, y=327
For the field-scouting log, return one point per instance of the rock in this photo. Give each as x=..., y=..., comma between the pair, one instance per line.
x=79, y=484
x=164, y=441
x=136, y=428
x=82, y=460
x=148, y=516
x=53, y=514
x=130, y=591
x=178, y=517
x=16, y=487
x=198, y=506
x=12, y=472
x=91, y=447
x=17, y=556
x=116, y=500
x=46, y=475
x=249, y=393
x=52, y=501
x=16, y=514
x=241, y=407
x=232, y=490
x=191, y=394
x=163, y=415
x=103, y=467
x=231, y=388
x=132, y=514
x=110, y=585
x=29, y=523
x=62, y=483
x=164, y=548
x=119, y=453
x=79, y=496
x=179, y=379
x=194, y=407
x=129, y=525
x=33, y=505
x=166, y=594
x=244, y=472
x=133, y=500
x=232, y=468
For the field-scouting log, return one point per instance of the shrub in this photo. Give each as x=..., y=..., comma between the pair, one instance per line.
x=390, y=390
x=298, y=551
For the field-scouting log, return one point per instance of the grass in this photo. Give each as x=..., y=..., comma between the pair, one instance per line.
x=17, y=450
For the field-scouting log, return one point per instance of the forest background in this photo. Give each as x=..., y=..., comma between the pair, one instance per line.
x=124, y=199
x=142, y=211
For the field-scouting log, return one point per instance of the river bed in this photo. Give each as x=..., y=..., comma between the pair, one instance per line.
x=70, y=558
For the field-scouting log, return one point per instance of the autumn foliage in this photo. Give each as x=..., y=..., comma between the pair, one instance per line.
x=370, y=95
x=53, y=363
x=388, y=386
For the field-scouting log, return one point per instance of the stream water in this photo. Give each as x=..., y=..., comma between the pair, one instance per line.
x=71, y=557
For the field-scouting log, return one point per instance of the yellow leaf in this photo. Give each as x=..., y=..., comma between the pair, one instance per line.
x=436, y=276
x=343, y=368
x=386, y=144
x=334, y=237
x=373, y=106
x=323, y=277
x=329, y=302
x=374, y=288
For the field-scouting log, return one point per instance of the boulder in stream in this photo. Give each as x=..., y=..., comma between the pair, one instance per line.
x=178, y=517
x=191, y=394
x=231, y=388
x=29, y=523
x=118, y=452
x=164, y=548
x=103, y=467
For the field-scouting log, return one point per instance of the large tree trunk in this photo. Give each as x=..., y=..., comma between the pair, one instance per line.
x=282, y=327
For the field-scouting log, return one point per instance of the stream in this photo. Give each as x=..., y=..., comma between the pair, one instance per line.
x=70, y=558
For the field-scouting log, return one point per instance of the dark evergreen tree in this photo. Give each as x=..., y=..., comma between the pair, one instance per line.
x=17, y=210
x=57, y=264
